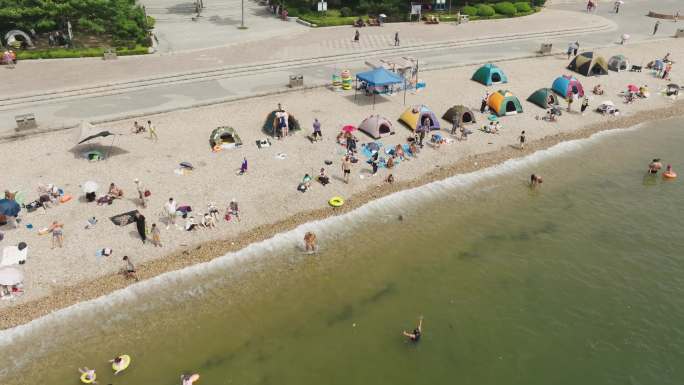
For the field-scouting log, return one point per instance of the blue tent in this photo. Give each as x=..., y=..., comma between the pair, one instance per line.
x=377, y=79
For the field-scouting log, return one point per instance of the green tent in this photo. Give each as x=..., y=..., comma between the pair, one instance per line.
x=544, y=98
x=589, y=64
x=489, y=74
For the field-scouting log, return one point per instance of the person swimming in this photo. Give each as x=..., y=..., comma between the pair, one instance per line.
x=654, y=166
x=416, y=333
x=535, y=180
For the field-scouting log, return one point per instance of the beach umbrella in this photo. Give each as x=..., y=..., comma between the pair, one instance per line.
x=9, y=208
x=632, y=88
x=348, y=128
x=90, y=187
x=10, y=276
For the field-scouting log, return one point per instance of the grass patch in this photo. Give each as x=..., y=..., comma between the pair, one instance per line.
x=64, y=53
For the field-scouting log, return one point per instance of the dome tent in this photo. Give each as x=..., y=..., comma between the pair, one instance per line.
x=589, y=64
x=464, y=113
x=271, y=127
x=225, y=137
x=414, y=116
x=566, y=85
x=618, y=63
x=503, y=102
x=544, y=98
x=489, y=74
x=376, y=126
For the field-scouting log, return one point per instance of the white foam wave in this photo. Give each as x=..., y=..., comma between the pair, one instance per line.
x=393, y=203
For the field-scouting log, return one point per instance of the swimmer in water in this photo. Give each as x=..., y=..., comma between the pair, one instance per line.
x=89, y=374
x=535, y=180
x=416, y=333
x=654, y=166
x=189, y=379
x=118, y=364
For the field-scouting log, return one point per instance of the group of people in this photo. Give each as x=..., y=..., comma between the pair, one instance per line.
x=656, y=165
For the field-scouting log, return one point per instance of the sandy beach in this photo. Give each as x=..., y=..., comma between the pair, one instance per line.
x=267, y=194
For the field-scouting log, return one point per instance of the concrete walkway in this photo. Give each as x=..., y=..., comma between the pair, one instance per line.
x=140, y=85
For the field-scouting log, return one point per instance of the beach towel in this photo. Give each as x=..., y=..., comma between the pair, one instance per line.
x=12, y=255
x=371, y=148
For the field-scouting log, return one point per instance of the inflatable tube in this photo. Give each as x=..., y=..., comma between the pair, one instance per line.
x=336, y=201
x=86, y=380
x=65, y=198
x=125, y=361
x=217, y=148
x=669, y=175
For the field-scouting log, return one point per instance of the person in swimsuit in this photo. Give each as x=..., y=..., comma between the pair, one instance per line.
x=57, y=234
x=416, y=333
x=535, y=180
x=90, y=374
x=310, y=241
x=654, y=166
x=522, y=140
x=346, y=168
x=118, y=363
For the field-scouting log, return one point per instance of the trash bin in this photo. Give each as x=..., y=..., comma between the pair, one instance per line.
x=545, y=48
x=296, y=80
x=679, y=32
x=25, y=122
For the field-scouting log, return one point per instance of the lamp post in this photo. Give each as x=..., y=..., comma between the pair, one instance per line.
x=242, y=23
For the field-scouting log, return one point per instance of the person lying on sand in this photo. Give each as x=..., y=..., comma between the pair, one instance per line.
x=114, y=191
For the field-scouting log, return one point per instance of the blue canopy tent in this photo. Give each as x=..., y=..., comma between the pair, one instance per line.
x=378, y=81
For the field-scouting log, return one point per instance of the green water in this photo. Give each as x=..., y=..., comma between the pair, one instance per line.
x=577, y=282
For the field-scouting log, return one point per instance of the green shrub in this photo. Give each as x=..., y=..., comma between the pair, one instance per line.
x=485, y=10
x=345, y=12
x=469, y=10
x=523, y=7
x=62, y=53
x=505, y=8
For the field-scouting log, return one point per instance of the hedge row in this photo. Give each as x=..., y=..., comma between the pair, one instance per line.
x=505, y=8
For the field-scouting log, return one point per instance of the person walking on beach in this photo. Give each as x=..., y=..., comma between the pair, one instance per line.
x=575, y=48
x=396, y=39
x=310, y=241
x=374, y=163
x=570, y=49
x=129, y=268
x=317, y=130
x=655, y=27
x=456, y=122
x=415, y=335
x=140, y=226
x=676, y=16
x=522, y=140
x=170, y=208
x=357, y=36
x=243, y=167
x=234, y=209
x=57, y=230
x=483, y=104
x=346, y=168
x=142, y=193
x=156, y=235
x=153, y=131
x=585, y=104
x=617, y=6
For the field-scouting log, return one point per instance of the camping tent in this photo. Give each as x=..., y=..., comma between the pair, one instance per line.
x=566, y=85
x=225, y=137
x=618, y=63
x=376, y=126
x=489, y=74
x=544, y=98
x=414, y=116
x=270, y=126
x=464, y=113
x=589, y=64
x=503, y=102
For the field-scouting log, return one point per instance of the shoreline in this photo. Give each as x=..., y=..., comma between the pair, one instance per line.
x=198, y=252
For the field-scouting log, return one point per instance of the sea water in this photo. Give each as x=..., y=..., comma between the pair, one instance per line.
x=578, y=281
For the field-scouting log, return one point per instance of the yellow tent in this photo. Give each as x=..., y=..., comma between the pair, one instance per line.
x=414, y=116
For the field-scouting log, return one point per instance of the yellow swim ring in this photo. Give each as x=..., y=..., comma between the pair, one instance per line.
x=336, y=201
x=86, y=380
x=123, y=365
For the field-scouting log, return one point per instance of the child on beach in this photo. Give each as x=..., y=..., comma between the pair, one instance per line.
x=522, y=140
x=346, y=168
x=129, y=268
x=156, y=235
x=170, y=208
